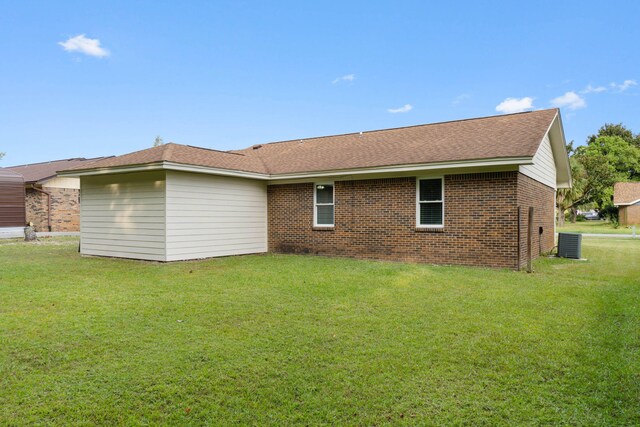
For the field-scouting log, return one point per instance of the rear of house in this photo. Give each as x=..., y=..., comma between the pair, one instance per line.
x=626, y=196
x=446, y=193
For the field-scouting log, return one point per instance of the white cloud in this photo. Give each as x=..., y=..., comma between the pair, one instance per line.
x=460, y=98
x=624, y=85
x=82, y=44
x=515, y=105
x=593, y=89
x=571, y=100
x=404, y=109
x=346, y=78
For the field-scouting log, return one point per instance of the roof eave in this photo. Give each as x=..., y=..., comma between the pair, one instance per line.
x=162, y=165
x=110, y=170
x=389, y=169
x=626, y=203
x=560, y=155
x=418, y=167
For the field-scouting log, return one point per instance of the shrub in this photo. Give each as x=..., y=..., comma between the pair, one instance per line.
x=611, y=213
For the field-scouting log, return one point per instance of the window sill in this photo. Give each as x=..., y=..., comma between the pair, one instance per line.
x=323, y=228
x=429, y=229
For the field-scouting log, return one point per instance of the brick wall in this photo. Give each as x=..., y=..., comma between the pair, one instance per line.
x=65, y=209
x=376, y=219
x=36, y=205
x=542, y=198
x=630, y=215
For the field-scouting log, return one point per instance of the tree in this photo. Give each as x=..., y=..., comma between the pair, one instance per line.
x=595, y=167
x=622, y=154
x=592, y=177
x=158, y=142
x=610, y=129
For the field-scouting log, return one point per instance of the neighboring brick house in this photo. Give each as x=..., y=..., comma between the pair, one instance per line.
x=626, y=196
x=446, y=193
x=52, y=202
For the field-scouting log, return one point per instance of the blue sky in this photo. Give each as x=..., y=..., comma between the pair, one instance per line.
x=84, y=79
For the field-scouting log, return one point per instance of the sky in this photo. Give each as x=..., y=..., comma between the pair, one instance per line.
x=87, y=79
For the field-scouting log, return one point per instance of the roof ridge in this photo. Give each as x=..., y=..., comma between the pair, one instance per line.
x=217, y=151
x=263, y=162
x=167, y=149
x=405, y=127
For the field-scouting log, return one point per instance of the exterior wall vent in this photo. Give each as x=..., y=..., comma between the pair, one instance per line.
x=570, y=245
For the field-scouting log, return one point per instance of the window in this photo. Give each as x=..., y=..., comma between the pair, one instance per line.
x=430, y=206
x=323, y=201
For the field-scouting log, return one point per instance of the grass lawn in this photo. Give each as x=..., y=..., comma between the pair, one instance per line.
x=595, y=227
x=280, y=340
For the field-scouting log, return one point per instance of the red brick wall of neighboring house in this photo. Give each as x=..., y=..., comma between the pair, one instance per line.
x=629, y=215
x=65, y=209
x=376, y=219
x=542, y=198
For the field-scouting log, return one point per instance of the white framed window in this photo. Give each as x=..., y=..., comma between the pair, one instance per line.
x=430, y=202
x=323, y=204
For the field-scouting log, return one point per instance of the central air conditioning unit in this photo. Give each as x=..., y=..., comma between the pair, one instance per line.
x=570, y=245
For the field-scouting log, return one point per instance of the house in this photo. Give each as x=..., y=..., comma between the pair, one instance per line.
x=446, y=193
x=52, y=202
x=626, y=196
x=12, y=211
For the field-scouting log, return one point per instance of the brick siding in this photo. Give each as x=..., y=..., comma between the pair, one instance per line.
x=376, y=219
x=629, y=215
x=65, y=209
x=542, y=198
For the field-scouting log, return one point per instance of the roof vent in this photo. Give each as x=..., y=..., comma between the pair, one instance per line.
x=255, y=147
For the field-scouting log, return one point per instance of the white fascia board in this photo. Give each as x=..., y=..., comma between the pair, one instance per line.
x=214, y=171
x=118, y=169
x=165, y=166
x=559, y=150
x=306, y=175
x=406, y=168
x=627, y=204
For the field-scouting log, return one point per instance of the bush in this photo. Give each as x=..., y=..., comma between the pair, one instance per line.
x=611, y=213
x=581, y=218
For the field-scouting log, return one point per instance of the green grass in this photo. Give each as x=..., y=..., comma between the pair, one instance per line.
x=281, y=340
x=595, y=227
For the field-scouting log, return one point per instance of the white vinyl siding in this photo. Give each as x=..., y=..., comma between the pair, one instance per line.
x=123, y=215
x=543, y=168
x=209, y=216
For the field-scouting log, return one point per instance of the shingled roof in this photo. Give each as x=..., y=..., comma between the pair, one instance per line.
x=496, y=137
x=183, y=154
x=626, y=193
x=39, y=172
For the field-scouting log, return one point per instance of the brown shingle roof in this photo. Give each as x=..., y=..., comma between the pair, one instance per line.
x=516, y=135
x=184, y=154
x=37, y=172
x=505, y=136
x=626, y=193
